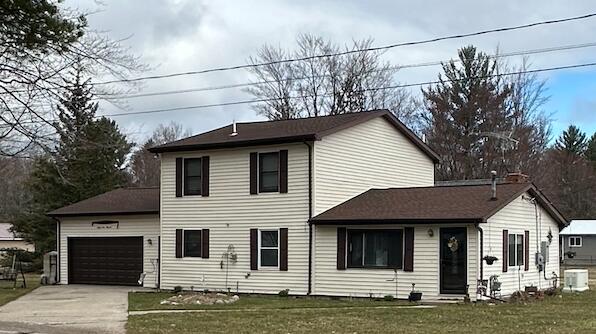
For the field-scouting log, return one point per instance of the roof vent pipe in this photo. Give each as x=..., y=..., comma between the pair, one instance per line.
x=234, y=132
x=493, y=184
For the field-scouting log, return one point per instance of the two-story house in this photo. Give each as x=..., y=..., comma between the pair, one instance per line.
x=338, y=205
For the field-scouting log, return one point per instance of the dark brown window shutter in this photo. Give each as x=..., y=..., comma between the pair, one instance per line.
x=505, y=250
x=178, y=243
x=205, y=243
x=283, y=171
x=527, y=250
x=178, y=177
x=409, y=249
x=253, y=172
x=341, y=248
x=283, y=249
x=205, y=176
x=254, y=249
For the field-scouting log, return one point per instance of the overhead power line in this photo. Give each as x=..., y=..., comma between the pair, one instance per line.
x=415, y=65
x=379, y=48
x=203, y=106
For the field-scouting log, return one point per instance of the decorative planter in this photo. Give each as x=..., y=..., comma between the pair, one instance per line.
x=415, y=296
x=490, y=259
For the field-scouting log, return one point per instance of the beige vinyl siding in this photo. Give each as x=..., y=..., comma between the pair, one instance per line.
x=517, y=217
x=363, y=282
x=373, y=154
x=146, y=226
x=229, y=213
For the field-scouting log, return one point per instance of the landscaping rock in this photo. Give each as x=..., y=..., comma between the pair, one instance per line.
x=200, y=298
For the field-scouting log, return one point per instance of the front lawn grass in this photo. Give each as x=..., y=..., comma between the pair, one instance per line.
x=8, y=293
x=568, y=313
x=143, y=301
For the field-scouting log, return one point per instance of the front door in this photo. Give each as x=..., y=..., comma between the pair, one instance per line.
x=453, y=260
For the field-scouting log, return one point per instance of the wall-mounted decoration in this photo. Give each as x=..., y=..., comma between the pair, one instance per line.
x=106, y=224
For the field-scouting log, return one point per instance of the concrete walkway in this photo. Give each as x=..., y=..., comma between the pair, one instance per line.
x=67, y=309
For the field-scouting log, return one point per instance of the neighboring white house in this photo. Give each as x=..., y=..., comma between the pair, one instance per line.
x=338, y=205
x=578, y=242
x=9, y=240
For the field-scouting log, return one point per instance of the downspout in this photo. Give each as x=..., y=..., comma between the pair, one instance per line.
x=57, y=249
x=481, y=251
x=310, y=236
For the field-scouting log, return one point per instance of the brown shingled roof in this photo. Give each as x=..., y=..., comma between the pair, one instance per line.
x=119, y=201
x=286, y=131
x=439, y=204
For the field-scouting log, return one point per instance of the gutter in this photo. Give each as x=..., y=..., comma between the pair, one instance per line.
x=310, y=232
x=57, y=248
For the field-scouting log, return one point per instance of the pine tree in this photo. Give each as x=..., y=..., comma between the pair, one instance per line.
x=591, y=149
x=572, y=141
x=90, y=159
x=467, y=104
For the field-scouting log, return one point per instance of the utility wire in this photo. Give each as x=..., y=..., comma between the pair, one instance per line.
x=203, y=106
x=379, y=48
x=397, y=67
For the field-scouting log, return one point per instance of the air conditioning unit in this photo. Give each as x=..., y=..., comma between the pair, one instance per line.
x=576, y=280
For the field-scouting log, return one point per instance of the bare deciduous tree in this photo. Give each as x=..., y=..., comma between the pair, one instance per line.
x=327, y=85
x=35, y=59
x=145, y=166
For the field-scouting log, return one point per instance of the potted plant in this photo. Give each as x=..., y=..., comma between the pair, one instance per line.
x=415, y=296
x=490, y=259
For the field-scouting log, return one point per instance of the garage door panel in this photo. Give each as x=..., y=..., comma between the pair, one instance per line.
x=114, y=260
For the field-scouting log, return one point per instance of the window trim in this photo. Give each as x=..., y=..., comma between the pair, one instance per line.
x=184, y=190
x=200, y=231
x=260, y=172
x=576, y=237
x=521, y=237
x=400, y=266
x=259, y=247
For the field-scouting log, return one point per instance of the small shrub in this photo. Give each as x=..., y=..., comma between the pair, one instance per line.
x=284, y=293
x=177, y=289
x=388, y=298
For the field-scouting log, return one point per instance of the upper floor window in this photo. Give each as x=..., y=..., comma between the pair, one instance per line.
x=269, y=172
x=516, y=250
x=192, y=176
x=575, y=241
x=375, y=248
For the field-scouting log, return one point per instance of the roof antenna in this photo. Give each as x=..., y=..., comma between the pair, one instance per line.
x=234, y=132
x=493, y=187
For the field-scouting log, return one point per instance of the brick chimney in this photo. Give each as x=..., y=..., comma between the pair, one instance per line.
x=516, y=178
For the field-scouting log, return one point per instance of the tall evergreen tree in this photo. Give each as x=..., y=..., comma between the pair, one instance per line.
x=467, y=104
x=572, y=141
x=591, y=149
x=90, y=159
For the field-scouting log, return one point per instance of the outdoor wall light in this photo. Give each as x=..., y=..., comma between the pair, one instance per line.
x=430, y=232
x=150, y=242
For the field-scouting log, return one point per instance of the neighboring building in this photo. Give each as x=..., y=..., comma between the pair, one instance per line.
x=8, y=240
x=578, y=242
x=336, y=205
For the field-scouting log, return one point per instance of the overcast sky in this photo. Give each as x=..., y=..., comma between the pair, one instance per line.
x=180, y=35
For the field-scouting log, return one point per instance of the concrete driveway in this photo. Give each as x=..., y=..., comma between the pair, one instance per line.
x=67, y=309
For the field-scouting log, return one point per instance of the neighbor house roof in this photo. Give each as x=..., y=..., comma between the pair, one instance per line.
x=287, y=131
x=580, y=227
x=6, y=234
x=116, y=202
x=438, y=204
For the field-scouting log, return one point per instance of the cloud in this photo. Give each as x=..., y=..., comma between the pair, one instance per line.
x=177, y=36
